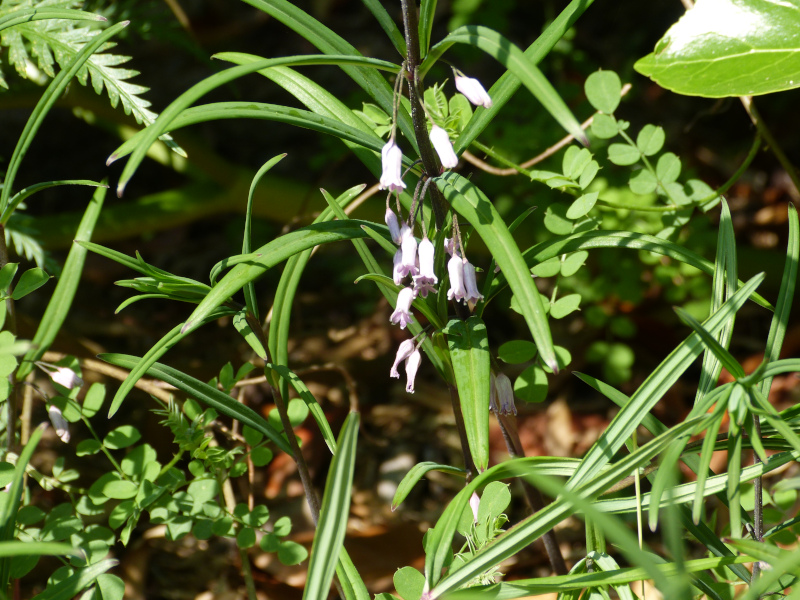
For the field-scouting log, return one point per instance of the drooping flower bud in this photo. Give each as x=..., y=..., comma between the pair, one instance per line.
x=505, y=395
x=392, y=167
x=402, y=312
x=65, y=377
x=455, y=268
x=441, y=143
x=493, y=393
x=450, y=245
x=424, y=282
x=60, y=424
x=470, y=284
x=408, y=245
x=412, y=364
x=403, y=352
x=393, y=224
x=473, y=90
x=397, y=264
x=474, y=503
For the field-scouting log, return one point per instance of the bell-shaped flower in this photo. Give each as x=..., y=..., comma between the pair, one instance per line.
x=473, y=90
x=470, y=285
x=392, y=167
x=402, y=312
x=474, y=504
x=60, y=424
x=412, y=364
x=403, y=352
x=65, y=377
x=424, y=282
x=493, y=393
x=441, y=143
x=408, y=246
x=450, y=245
x=397, y=263
x=455, y=268
x=393, y=224
x=505, y=396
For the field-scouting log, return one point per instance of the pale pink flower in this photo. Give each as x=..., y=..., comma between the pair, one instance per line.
x=450, y=245
x=505, y=396
x=393, y=224
x=455, y=268
x=59, y=422
x=424, y=282
x=392, y=167
x=441, y=143
x=397, y=263
x=474, y=503
x=65, y=377
x=412, y=364
x=473, y=90
x=408, y=244
x=402, y=312
x=403, y=352
x=470, y=285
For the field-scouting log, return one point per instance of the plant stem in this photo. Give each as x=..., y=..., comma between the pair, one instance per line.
x=508, y=425
x=758, y=507
x=469, y=465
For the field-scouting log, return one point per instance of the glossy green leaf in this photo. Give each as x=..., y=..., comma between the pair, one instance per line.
x=729, y=48
x=531, y=385
x=53, y=92
x=516, y=61
x=516, y=352
x=409, y=583
x=475, y=207
x=650, y=139
x=27, y=548
x=623, y=154
x=211, y=396
x=582, y=205
x=332, y=525
x=468, y=343
x=62, y=297
x=604, y=127
x=30, y=281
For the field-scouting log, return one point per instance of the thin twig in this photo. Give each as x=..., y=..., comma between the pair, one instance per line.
x=474, y=160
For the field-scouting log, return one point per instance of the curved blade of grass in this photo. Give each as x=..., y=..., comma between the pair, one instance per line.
x=513, y=59
x=258, y=110
x=780, y=320
x=725, y=357
x=787, y=365
x=505, y=87
x=529, y=529
x=9, y=508
x=72, y=585
x=475, y=207
x=706, y=455
x=417, y=472
x=304, y=393
x=387, y=24
x=655, y=386
x=332, y=525
x=249, y=290
x=723, y=286
x=197, y=91
x=26, y=15
x=53, y=92
x=350, y=579
x=330, y=43
x=210, y=309
x=61, y=300
x=24, y=193
x=522, y=588
x=20, y=548
x=468, y=343
x=209, y=395
x=592, y=240
x=156, y=351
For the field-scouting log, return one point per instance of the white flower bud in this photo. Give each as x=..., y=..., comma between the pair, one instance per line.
x=392, y=167
x=441, y=143
x=473, y=90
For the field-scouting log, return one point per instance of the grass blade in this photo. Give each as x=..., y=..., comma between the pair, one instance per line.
x=332, y=525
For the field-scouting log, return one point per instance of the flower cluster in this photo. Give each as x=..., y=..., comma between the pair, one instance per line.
x=413, y=262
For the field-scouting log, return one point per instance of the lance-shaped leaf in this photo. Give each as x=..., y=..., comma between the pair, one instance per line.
x=475, y=207
x=332, y=525
x=729, y=48
x=469, y=353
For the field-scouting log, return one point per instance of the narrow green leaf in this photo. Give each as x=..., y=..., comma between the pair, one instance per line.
x=9, y=508
x=387, y=24
x=249, y=289
x=350, y=579
x=24, y=193
x=216, y=399
x=416, y=473
x=332, y=525
x=468, y=342
x=515, y=60
x=725, y=357
x=427, y=11
x=61, y=300
x=20, y=548
x=476, y=208
x=26, y=15
x=53, y=92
